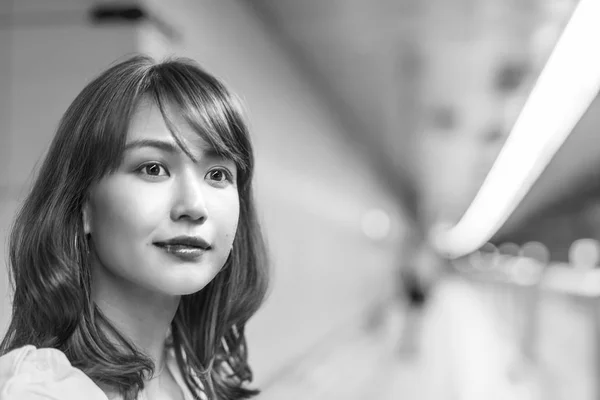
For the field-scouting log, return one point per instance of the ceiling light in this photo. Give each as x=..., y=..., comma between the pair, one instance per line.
x=564, y=90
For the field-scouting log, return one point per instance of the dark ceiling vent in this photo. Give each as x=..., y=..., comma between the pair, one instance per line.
x=443, y=118
x=110, y=13
x=510, y=76
x=114, y=13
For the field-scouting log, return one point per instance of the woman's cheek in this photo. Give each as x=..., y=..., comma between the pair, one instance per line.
x=146, y=206
x=125, y=209
x=229, y=217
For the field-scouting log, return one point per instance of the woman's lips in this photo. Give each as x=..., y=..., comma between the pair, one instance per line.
x=185, y=253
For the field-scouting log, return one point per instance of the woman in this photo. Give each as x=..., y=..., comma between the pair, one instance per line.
x=137, y=259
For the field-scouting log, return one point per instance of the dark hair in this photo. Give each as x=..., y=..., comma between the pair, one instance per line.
x=50, y=269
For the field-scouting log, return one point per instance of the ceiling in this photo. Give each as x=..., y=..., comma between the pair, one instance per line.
x=352, y=53
x=431, y=89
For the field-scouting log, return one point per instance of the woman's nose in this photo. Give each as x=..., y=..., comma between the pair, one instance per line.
x=190, y=201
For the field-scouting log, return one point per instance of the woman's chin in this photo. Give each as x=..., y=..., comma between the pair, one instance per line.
x=184, y=285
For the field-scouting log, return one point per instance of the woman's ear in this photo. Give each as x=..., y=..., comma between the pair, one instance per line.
x=87, y=218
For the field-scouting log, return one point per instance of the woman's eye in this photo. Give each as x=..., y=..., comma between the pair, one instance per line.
x=154, y=169
x=219, y=175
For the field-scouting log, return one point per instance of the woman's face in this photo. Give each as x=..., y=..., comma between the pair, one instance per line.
x=163, y=221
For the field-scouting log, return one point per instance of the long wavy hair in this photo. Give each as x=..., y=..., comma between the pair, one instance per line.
x=49, y=257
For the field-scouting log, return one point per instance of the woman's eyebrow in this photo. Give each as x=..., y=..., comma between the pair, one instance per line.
x=168, y=147
x=211, y=152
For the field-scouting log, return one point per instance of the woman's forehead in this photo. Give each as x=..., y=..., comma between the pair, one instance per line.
x=148, y=124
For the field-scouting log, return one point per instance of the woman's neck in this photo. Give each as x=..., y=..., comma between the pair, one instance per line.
x=142, y=316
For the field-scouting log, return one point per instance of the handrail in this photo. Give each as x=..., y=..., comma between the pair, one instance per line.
x=523, y=291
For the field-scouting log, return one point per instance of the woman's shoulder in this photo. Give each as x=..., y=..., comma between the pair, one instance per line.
x=30, y=373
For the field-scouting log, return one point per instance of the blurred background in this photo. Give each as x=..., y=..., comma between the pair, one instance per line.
x=403, y=267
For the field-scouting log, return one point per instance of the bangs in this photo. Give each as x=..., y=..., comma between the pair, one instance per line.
x=206, y=106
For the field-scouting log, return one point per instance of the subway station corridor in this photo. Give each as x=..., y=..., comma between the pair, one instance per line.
x=460, y=354
x=375, y=127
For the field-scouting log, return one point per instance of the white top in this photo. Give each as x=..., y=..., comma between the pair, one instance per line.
x=28, y=373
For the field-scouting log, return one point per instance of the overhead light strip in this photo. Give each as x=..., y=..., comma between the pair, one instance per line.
x=567, y=85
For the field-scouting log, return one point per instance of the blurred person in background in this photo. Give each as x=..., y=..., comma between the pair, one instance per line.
x=417, y=274
x=136, y=259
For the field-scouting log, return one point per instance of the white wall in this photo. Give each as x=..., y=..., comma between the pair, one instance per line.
x=312, y=187
x=4, y=123
x=47, y=54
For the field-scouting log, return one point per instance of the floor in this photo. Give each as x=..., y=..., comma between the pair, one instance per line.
x=457, y=354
